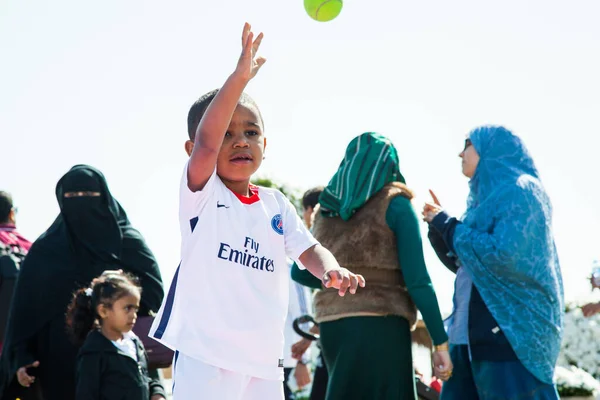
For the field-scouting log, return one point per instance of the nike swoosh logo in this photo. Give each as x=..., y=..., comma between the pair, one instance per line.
x=221, y=205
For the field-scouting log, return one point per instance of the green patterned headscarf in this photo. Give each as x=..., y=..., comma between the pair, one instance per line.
x=370, y=163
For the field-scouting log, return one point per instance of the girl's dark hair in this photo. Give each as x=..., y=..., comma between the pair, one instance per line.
x=82, y=314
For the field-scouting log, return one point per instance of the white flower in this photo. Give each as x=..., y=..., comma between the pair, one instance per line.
x=88, y=292
x=580, y=347
x=575, y=382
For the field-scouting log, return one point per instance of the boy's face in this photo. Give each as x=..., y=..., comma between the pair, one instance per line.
x=243, y=147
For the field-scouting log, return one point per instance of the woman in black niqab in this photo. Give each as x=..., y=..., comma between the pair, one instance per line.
x=90, y=235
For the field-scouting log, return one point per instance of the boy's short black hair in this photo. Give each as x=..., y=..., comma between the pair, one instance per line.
x=199, y=108
x=311, y=197
x=6, y=205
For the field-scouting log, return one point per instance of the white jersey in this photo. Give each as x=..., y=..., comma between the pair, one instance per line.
x=228, y=300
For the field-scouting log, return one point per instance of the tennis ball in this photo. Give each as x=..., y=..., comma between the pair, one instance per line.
x=323, y=10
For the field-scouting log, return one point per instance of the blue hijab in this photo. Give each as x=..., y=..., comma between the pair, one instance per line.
x=506, y=246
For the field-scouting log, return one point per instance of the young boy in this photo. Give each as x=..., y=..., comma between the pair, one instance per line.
x=226, y=308
x=310, y=199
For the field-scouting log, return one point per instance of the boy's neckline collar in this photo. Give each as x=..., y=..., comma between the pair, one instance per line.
x=253, y=198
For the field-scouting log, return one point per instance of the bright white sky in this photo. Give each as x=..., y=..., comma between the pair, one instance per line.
x=110, y=84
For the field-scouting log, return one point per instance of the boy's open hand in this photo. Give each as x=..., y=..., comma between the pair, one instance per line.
x=343, y=280
x=249, y=64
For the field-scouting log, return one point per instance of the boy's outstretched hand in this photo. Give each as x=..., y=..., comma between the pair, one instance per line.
x=249, y=64
x=343, y=280
x=322, y=264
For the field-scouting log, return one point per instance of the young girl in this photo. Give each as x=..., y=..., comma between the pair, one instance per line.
x=112, y=362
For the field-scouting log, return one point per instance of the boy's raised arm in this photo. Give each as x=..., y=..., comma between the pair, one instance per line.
x=213, y=126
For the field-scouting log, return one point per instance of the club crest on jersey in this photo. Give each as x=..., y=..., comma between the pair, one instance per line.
x=277, y=224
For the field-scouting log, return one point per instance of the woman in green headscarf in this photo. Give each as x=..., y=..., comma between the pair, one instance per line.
x=365, y=218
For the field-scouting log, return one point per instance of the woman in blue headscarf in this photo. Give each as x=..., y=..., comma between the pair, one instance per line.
x=506, y=327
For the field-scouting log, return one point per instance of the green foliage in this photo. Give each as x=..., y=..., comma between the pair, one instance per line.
x=293, y=194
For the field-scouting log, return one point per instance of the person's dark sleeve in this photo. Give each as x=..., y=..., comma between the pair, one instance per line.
x=305, y=278
x=445, y=225
x=140, y=261
x=441, y=250
x=156, y=387
x=403, y=221
x=88, y=377
x=23, y=355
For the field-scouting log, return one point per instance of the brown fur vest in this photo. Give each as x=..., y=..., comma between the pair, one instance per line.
x=367, y=246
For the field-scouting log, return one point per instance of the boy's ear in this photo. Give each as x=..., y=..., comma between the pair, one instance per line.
x=189, y=146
